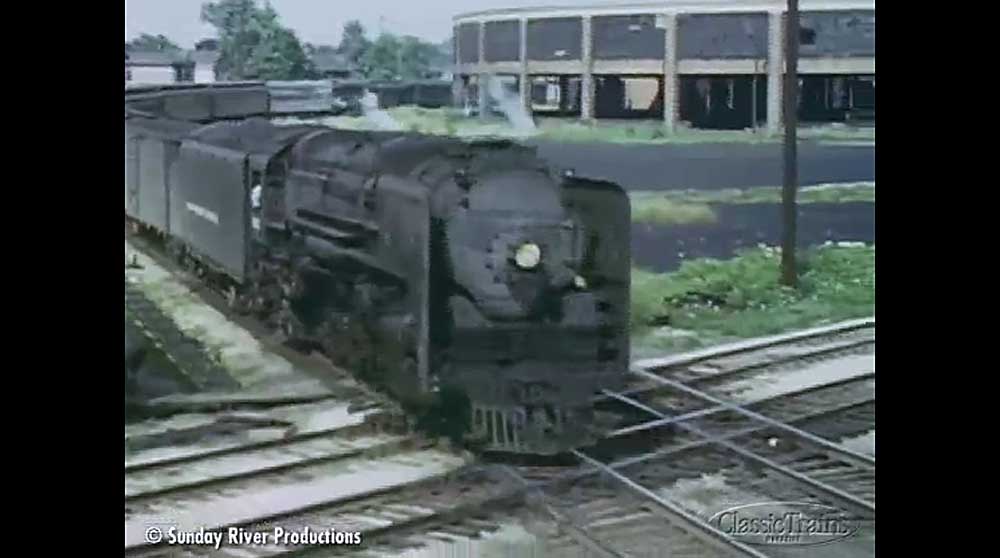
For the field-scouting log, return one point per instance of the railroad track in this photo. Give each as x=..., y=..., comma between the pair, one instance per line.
x=631, y=522
x=681, y=419
x=729, y=364
x=201, y=470
x=580, y=514
x=584, y=513
x=779, y=447
x=183, y=351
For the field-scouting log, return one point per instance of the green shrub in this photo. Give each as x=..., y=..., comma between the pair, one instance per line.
x=742, y=297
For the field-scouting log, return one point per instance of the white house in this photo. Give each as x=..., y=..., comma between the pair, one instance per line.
x=204, y=65
x=149, y=67
x=153, y=67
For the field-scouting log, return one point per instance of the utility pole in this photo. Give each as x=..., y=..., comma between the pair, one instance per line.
x=753, y=99
x=789, y=274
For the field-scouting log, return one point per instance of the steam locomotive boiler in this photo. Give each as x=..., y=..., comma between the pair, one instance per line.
x=450, y=273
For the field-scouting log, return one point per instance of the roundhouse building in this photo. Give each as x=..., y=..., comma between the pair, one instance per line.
x=712, y=63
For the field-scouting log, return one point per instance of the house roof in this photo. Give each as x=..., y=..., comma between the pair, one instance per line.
x=152, y=58
x=330, y=61
x=160, y=58
x=205, y=56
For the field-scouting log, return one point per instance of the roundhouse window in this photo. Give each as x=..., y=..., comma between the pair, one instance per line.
x=807, y=36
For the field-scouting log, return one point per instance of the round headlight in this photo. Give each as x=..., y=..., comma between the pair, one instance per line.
x=528, y=256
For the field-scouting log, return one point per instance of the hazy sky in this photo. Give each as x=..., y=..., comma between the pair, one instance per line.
x=320, y=21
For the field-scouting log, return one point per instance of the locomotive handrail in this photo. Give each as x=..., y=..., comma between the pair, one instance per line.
x=336, y=222
x=332, y=233
x=134, y=112
x=326, y=250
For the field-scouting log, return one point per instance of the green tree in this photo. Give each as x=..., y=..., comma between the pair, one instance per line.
x=392, y=57
x=232, y=21
x=382, y=60
x=353, y=43
x=279, y=54
x=147, y=42
x=446, y=52
x=253, y=43
x=417, y=58
x=321, y=50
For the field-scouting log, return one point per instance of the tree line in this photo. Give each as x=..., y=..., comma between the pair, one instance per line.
x=253, y=44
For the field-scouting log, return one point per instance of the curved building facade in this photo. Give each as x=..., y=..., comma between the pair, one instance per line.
x=711, y=63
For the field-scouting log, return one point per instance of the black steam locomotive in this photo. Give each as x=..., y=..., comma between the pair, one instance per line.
x=448, y=272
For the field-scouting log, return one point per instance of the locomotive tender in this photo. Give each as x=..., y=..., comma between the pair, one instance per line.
x=438, y=269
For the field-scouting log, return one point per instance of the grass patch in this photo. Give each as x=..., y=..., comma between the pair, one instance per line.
x=665, y=211
x=713, y=300
x=565, y=130
x=824, y=193
x=453, y=122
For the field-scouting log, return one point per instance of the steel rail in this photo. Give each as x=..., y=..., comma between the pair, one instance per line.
x=854, y=456
x=745, y=368
x=148, y=549
x=575, y=532
x=856, y=504
x=683, y=518
x=642, y=458
x=719, y=408
x=344, y=431
x=749, y=345
x=823, y=351
x=404, y=528
x=217, y=404
x=270, y=517
x=687, y=359
x=397, y=445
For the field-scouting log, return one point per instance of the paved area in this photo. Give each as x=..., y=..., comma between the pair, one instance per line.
x=709, y=166
x=664, y=248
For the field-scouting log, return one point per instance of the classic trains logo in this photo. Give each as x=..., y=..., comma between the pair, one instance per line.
x=785, y=523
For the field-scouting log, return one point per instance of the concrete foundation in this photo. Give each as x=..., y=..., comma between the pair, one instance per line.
x=524, y=79
x=483, y=101
x=483, y=84
x=671, y=79
x=775, y=70
x=588, y=92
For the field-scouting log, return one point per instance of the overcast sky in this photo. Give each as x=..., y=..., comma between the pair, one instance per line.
x=320, y=21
